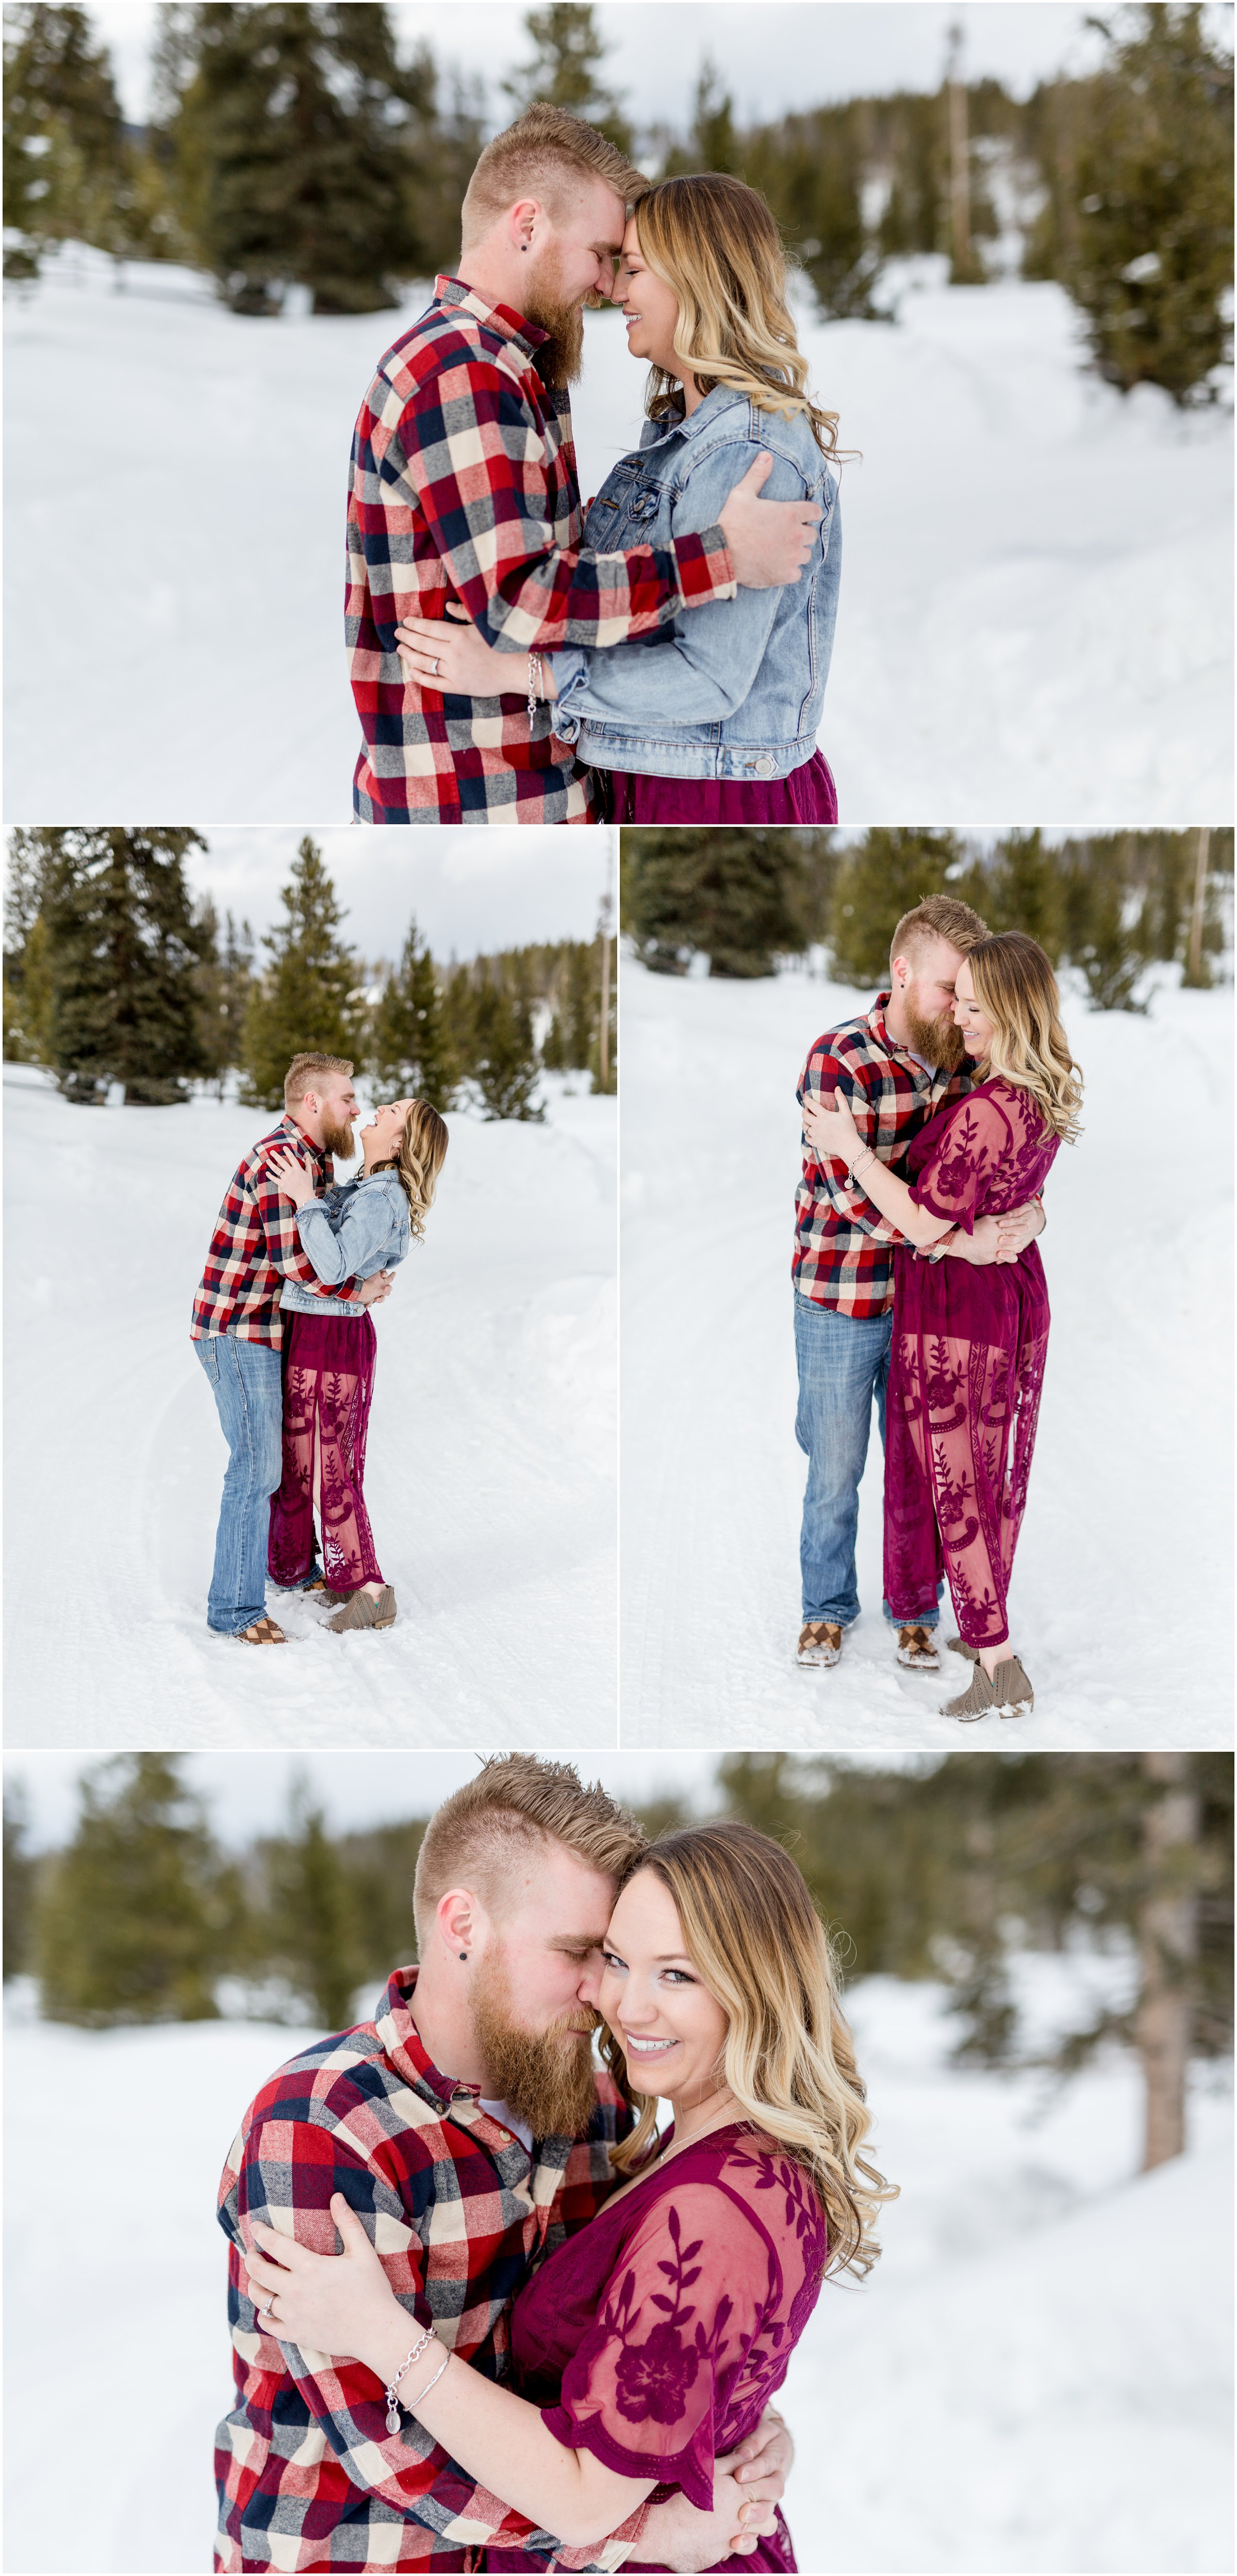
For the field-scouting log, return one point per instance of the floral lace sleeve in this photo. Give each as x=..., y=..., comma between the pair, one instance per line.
x=649, y=2386
x=952, y=1164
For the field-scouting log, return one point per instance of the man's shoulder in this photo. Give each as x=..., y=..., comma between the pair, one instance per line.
x=445, y=338
x=346, y=2082
x=853, y=1042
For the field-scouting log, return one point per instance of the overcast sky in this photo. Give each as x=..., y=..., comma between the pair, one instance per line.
x=472, y=891
x=772, y=54
x=247, y=1792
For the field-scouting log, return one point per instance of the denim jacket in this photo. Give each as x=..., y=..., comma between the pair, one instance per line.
x=355, y=1228
x=734, y=690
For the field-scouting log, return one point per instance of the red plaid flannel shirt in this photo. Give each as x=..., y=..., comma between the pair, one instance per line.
x=463, y=487
x=255, y=1247
x=308, y=2475
x=844, y=1247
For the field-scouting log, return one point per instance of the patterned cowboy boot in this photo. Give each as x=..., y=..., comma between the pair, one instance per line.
x=917, y=1648
x=820, y=1642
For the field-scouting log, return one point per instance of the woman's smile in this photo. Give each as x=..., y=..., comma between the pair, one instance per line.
x=655, y=2047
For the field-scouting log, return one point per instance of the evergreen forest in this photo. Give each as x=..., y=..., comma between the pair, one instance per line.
x=114, y=977
x=949, y=1869
x=296, y=147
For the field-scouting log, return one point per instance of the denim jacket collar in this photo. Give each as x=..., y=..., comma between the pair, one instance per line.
x=689, y=424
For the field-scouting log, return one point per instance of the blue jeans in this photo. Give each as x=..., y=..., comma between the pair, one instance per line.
x=244, y=1378
x=843, y=1363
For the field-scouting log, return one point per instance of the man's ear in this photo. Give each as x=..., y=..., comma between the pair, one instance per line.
x=899, y=965
x=461, y=1920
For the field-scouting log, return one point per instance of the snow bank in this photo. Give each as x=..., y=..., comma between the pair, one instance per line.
x=1035, y=2378
x=1035, y=619
x=490, y=1452
x=1122, y=1576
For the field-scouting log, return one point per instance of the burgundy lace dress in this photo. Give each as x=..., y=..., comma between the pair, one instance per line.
x=965, y=1369
x=657, y=2335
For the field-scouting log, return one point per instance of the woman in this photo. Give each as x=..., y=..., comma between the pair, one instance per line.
x=712, y=719
x=329, y=1352
x=650, y=2342
x=967, y=1359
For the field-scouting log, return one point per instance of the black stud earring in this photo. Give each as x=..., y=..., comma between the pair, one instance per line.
x=463, y=1954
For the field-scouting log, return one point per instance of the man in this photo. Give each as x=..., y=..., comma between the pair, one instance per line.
x=469, y=2130
x=238, y=1332
x=463, y=492
x=904, y=1060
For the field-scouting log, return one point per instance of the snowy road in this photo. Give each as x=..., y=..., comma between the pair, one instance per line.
x=1035, y=620
x=490, y=1455
x=1121, y=1585
x=985, y=2403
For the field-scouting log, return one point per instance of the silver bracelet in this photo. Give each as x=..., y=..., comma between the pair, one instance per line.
x=534, y=685
x=429, y=2336
x=861, y=1160
x=423, y=2393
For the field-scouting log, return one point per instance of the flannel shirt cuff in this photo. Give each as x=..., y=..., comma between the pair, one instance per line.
x=704, y=568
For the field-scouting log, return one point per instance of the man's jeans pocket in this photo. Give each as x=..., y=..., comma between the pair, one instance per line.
x=209, y=1357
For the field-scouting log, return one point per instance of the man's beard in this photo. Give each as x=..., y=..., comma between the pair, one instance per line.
x=337, y=1139
x=545, y=2080
x=561, y=355
x=939, y=1042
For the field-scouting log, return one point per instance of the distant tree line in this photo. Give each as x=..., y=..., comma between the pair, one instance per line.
x=292, y=146
x=111, y=975
x=1108, y=903
x=949, y=1872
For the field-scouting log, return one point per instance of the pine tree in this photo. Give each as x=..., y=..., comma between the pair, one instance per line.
x=122, y=953
x=568, y=47
x=20, y=1879
x=68, y=168
x=883, y=876
x=306, y=1000
x=503, y=1059
x=294, y=132
x=137, y=1917
x=408, y=1052
x=713, y=143
x=308, y=1925
x=735, y=896
x=1101, y=928
x=1153, y=265
x=1022, y=890
x=811, y=170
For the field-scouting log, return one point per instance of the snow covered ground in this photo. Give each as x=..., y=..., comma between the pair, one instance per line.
x=1035, y=620
x=490, y=1464
x=1121, y=1584
x=1035, y=2378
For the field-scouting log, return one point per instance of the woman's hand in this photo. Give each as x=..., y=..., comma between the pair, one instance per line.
x=456, y=661
x=832, y=1131
x=336, y=2303
x=295, y=1182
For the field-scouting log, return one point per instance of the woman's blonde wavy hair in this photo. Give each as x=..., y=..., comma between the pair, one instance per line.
x=753, y=1934
x=1016, y=989
x=713, y=240
x=420, y=1157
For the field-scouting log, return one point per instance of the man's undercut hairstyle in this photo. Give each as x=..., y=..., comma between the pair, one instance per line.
x=506, y=1817
x=939, y=916
x=544, y=155
x=302, y=1075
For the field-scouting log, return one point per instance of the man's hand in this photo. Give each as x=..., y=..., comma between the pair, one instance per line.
x=1000, y=1238
x=768, y=542
x=677, y=2535
x=372, y=1291
x=747, y=2488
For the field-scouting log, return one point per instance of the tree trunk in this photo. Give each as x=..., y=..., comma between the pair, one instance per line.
x=1194, y=960
x=959, y=164
x=1168, y=1944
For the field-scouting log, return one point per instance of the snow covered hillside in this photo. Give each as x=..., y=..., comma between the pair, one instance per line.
x=1035, y=2377
x=1035, y=618
x=490, y=1450
x=1121, y=1584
